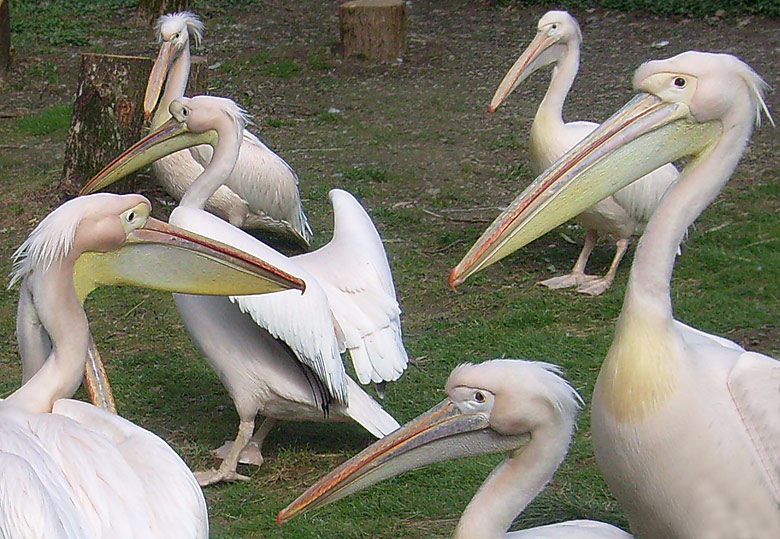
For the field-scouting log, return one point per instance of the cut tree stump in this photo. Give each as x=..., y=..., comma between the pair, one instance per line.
x=108, y=115
x=375, y=29
x=152, y=9
x=5, y=38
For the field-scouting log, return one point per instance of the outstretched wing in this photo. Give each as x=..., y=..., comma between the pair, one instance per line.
x=355, y=274
x=303, y=321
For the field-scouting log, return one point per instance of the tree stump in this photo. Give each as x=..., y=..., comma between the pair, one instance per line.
x=5, y=38
x=154, y=8
x=108, y=115
x=375, y=29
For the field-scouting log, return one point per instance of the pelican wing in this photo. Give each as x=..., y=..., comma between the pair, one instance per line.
x=754, y=383
x=35, y=498
x=355, y=274
x=303, y=321
x=581, y=529
x=266, y=182
x=696, y=337
x=106, y=488
x=641, y=197
x=176, y=501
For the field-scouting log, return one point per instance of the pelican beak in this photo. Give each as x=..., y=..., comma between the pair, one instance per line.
x=157, y=77
x=172, y=136
x=165, y=257
x=442, y=433
x=642, y=136
x=539, y=53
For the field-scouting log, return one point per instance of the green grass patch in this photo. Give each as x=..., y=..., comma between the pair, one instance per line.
x=75, y=22
x=51, y=121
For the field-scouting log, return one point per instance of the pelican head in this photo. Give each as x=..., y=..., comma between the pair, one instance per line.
x=492, y=407
x=556, y=32
x=686, y=104
x=110, y=239
x=194, y=120
x=174, y=32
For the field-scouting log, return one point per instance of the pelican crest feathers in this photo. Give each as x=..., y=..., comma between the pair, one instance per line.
x=194, y=25
x=49, y=242
x=552, y=387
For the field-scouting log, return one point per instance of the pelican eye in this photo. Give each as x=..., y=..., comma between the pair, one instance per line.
x=554, y=27
x=479, y=397
x=679, y=82
x=131, y=217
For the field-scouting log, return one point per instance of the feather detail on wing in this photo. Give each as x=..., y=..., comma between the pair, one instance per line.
x=754, y=383
x=641, y=197
x=35, y=498
x=106, y=487
x=368, y=413
x=354, y=272
x=175, y=499
x=303, y=321
x=266, y=182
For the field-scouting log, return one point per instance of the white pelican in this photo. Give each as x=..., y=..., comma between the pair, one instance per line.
x=685, y=424
x=262, y=191
x=70, y=469
x=519, y=407
x=280, y=356
x=620, y=215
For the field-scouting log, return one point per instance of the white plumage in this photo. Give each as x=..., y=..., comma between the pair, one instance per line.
x=288, y=365
x=685, y=424
x=262, y=191
x=621, y=215
x=521, y=408
x=70, y=469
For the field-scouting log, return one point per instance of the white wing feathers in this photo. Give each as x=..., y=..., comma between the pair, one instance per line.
x=107, y=489
x=368, y=413
x=265, y=181
x=754, y=383
x=640, y=198
x=303, y=321
x=695, y=337
x=355, y=274
x=26, y=507
x=35, y=498
x=175, y=499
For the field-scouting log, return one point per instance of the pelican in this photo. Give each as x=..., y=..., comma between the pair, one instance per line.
x=70, y=469
x=281, y=358
x=620, y=215
x=522, y=408
x=262, y=191
x=685, y=424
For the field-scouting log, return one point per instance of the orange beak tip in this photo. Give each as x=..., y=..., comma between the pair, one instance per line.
x=147, y=114
x=453, y=280
x=491, y=109
x=279, y=518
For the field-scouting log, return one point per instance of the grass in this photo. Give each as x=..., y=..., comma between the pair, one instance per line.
x=414, y=143
x=46, y=122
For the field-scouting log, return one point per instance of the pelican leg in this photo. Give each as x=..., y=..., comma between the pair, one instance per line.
x=595, y=287
x=227, y=470
x=251, y=454
x=577, y=275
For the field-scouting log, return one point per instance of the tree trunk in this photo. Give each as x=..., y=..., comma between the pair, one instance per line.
x=5, y=38
x=108, y=115
x=375, y=29
x=152, y=9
